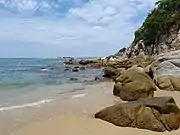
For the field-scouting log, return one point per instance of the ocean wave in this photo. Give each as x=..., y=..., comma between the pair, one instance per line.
x=34, y=104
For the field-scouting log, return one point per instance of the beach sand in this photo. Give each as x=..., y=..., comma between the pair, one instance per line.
x=73, y=114
x=80, y=125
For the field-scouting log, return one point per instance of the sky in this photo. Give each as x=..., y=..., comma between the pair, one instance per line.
x=51, y=28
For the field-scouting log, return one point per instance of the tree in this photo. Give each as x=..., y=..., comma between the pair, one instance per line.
x=165, y=14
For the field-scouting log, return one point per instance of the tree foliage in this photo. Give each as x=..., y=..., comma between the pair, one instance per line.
x=122, y=50
x=165, y=15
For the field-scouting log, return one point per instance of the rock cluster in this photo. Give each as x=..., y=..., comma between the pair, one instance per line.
x=136, y=83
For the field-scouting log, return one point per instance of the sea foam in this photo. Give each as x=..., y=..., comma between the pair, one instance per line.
x=34, y=104
x=79, y=96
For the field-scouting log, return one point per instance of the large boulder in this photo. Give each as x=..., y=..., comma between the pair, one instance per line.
x=156, y=114
x=166, y=71
x=110, y=72
x=133, y=84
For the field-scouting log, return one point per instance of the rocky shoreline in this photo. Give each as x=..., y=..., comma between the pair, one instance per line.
x=137, y=85
x=136, y=79
x=143, y=97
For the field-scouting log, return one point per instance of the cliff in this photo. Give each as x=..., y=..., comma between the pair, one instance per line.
x=160, y=32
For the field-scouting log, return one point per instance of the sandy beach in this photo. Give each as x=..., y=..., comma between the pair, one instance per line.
x=83, y=102
x=80, y=125
x=90, y=67
x=73, y=114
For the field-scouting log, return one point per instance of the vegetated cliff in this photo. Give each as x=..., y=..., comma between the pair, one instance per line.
x=160, y=32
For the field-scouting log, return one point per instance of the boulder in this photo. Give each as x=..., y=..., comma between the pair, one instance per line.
x=76, y=67
x=71, y=61
x=85, y=62
x=94, y=66
x=91, y=63
x=156, y=114
x=75, y=70
x=73, y=79
x=82, y=68
x=110, y=72
x=67, y=68
x=133, y=84
x=166, y=71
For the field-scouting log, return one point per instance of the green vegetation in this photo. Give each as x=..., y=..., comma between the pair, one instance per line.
x=165, y=15
x=122, y=50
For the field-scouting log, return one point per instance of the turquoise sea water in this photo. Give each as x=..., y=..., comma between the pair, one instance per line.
x=27, y=81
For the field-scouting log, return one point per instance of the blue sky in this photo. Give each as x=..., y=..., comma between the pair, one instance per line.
x=51, y=28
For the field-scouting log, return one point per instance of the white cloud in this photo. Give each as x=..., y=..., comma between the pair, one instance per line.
x=100, y=27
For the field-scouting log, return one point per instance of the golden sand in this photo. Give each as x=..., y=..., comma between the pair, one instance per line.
x=81, y=125
x=78, y=121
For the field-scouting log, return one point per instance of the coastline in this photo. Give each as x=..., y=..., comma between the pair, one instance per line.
x=73, y=114
x=80, y=102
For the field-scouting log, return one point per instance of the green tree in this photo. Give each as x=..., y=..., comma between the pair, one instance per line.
x=165, y=14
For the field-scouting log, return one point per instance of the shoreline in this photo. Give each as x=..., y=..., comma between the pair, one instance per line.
x=73, y=113
x=78, y=102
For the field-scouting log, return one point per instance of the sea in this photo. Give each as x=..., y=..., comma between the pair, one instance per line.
x=28, y=82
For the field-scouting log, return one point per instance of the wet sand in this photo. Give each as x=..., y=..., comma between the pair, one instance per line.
x=73, y=114
x=81, y=102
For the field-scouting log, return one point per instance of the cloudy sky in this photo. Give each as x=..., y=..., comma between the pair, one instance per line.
x=50, y=28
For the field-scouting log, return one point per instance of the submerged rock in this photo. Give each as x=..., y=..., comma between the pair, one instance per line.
x=133, y=84
x=75, y=70
x=67, y=68
x=82, y=68
x=156, y=114
x=71, y=61
x=76, y=67
x=73, y=79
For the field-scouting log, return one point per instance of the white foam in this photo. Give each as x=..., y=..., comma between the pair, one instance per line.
x=79, y=96
x=35, y=104
x=43, y=70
